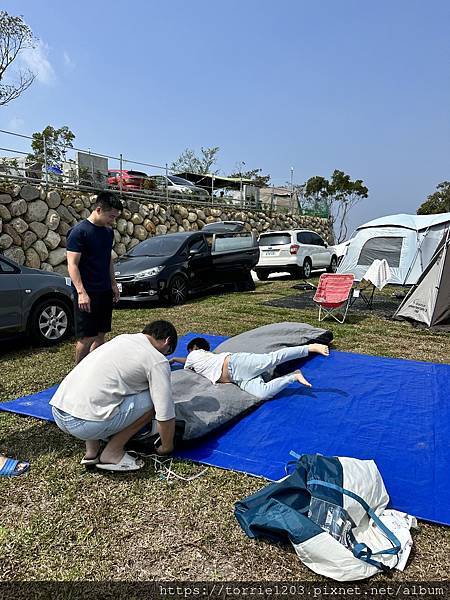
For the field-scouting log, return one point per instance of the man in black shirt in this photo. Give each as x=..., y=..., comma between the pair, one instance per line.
x=89, y=245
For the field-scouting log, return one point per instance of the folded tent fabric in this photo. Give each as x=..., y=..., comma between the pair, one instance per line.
x=333, y=511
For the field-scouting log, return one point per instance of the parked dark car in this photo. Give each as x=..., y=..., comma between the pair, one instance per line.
x=172, y=266
x=34, y=302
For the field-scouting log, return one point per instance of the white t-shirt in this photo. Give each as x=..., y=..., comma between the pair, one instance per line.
x=127, y=364
x=206, y=363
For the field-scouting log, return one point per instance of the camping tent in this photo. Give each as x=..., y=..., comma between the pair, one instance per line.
x=407, y=242
x=429, y=301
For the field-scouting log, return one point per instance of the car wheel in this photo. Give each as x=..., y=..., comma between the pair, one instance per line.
x=333, y=265
x=307, y=268
x=178, y=290
x=262, y=275
x=51, y=322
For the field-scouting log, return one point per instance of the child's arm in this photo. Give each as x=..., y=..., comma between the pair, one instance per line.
x=175, y=359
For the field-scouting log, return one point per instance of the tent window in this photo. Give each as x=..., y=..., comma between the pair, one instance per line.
x=389, y=248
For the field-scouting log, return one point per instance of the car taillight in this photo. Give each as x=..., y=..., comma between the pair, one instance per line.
x=294, y=248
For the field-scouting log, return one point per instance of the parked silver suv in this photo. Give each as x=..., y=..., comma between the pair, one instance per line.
x=34, y=302
x=297, y=251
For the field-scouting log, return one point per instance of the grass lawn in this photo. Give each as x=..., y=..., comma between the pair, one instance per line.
x=61, y=523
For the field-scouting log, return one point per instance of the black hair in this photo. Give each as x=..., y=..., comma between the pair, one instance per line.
x=160, y=330
x=201, y=344
x=108, y=201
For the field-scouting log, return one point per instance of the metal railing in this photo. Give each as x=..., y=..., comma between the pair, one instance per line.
x=89, y=171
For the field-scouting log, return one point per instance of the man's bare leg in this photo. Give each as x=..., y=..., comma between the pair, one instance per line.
x=83, y=348
x=114, y=450
x=97, y=341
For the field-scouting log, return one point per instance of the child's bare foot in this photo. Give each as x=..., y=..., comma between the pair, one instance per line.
x=319, y=349
x=299, y=377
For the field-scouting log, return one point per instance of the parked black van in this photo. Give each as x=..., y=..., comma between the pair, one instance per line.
x=172, y=266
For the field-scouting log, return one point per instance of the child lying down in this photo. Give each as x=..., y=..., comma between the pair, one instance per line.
x=247, y=370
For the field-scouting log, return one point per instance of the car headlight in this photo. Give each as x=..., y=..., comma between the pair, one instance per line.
x=149, y=272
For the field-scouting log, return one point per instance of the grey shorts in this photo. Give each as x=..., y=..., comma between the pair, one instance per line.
x=129, y=411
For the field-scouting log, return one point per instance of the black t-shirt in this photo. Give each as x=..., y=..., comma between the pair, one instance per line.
x=95, y=244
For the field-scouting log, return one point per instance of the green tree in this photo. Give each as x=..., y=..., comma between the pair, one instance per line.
x=340, y=194
x=15, y=36
x=438, y=202
x=255, y=175
x=57, y=141
x=189, y=162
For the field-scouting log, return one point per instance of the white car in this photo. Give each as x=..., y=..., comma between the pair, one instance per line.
x=178, y=186
x=298, y=251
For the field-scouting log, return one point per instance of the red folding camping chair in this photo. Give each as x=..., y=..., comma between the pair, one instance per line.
x=333, y=295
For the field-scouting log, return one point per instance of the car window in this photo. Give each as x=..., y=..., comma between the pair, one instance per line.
x=113, y=173
x=198, y=244
x=137, y=173
x=180, y=180
x=226, y=242
x=6, y=267
x=303, y=237
x=274, y=239
x=316, y=239
x=160, y=245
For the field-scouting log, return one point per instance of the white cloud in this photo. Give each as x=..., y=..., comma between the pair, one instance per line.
x=37, y=61
x=67, y=60
x=16, y=123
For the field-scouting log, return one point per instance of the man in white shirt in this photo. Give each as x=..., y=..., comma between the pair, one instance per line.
x=115, y=391
x=247, y=370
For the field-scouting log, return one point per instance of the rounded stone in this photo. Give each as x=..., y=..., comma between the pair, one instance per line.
x=29, y=192
x=144, y=211
x=18, y=207
x=16, y=254
x=173, y=228
x=117, y=236
x=85, y=213
x=132, y=244
x=161, y=230
x=78, y=205
x=37, y=211
x=65, y=214
x=63, y=228
x=52, y=240
x=200, y=214
x=137, y=219
x=46, y=267
x=32, y=259
x=41, y=249
x=61, y=270
x=130, y=228
x=5, y=241
x=5, y=215
x=192, y=217
x=126, y=214
x=182, y=211
x=121, y=226
x=9, y=229
x=140, y=232
x=19, y=225
x=120, y=249
x=39, y=229
x=29, y=237
x=57, y=256
x=150, y=226
x=186, y=224
x=52, y=219
x=67, y=200
x=53, y=199
x=5, y=199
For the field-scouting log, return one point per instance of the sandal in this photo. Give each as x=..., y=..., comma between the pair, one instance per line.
x=13, y=468
x=127, y=463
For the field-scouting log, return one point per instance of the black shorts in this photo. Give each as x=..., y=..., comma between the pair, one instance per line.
x=90, y=324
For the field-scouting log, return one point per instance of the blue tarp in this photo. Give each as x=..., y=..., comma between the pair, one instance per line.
x=390, y=410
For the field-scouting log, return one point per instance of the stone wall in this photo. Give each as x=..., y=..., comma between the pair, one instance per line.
x=34, y=222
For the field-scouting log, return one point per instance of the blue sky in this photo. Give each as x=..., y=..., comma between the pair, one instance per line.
x=359, y=86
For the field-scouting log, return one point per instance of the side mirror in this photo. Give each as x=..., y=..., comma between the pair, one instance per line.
x=194, y=252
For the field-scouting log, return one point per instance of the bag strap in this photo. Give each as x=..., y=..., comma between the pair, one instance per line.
x=362, y=551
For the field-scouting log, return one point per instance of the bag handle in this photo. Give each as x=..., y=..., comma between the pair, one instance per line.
x=362, y=551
